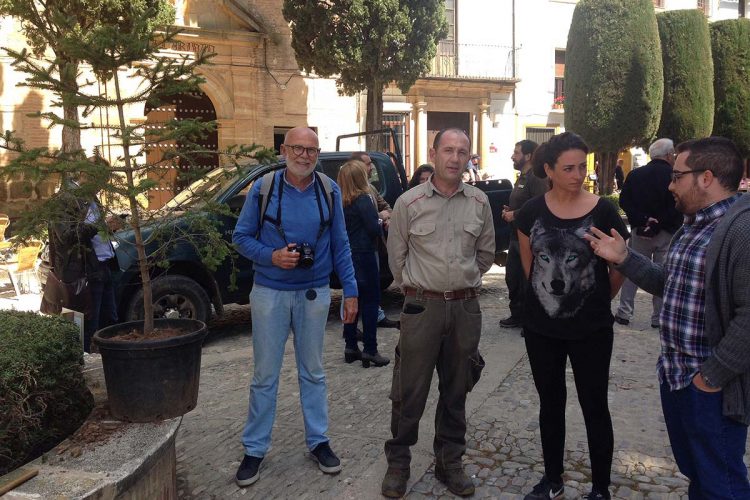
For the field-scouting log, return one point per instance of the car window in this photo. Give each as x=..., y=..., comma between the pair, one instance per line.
x=207, y=187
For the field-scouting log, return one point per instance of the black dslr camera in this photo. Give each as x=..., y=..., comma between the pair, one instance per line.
x=306, y=255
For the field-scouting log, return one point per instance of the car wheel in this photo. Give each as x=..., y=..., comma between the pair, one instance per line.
x=174, y=296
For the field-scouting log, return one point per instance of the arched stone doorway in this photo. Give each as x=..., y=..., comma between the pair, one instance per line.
x=177, y=174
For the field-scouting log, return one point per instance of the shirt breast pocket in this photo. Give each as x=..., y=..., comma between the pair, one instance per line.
x=424, y=235
x=471, y=232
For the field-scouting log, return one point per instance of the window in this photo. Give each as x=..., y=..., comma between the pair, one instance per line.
x=559, y=98
x=450, y=16
x=539, y=134
x=659, y=3
x=703, y=5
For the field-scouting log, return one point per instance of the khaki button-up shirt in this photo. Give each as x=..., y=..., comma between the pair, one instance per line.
x=441, y=243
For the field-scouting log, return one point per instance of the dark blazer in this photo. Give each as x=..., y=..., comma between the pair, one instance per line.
x=362, y=224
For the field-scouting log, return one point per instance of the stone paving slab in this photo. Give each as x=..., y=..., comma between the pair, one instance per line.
x=504, y=455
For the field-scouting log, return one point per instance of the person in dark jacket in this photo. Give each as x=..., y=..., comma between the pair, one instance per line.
x=619, y=175
x=363, y=228
x=653, y=219
x=704, y=366
x=83, y=257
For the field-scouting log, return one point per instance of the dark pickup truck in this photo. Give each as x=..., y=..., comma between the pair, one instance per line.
x=187, y=288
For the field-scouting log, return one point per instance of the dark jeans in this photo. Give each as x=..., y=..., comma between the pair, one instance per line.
x=102, y=311
x=707, y=446
x=434, y=334
x=515, y=279
x=589, y=359
x=368, y=285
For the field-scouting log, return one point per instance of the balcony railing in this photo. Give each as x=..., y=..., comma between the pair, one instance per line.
x=470, y=61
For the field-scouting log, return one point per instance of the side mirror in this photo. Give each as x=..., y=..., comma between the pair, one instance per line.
x=236, y=202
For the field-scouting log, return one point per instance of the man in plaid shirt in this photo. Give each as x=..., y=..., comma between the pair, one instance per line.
x=704, y=366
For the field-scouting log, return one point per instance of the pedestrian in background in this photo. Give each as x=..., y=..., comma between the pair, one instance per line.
x=421, y=175
x=384, y=212
x=653, y=218
x=291, y=294
x=442, y=241
x=619, y=175
x=704, y=365
x=363, y=228
x=527, y=186
x=567, y=310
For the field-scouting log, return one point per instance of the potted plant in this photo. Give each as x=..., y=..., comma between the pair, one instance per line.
x=559, y=102
x=151, y=367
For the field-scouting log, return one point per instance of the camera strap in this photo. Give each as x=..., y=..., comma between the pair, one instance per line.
x=324, y=223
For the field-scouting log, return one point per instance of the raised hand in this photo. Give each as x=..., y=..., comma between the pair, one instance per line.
x=610, y=248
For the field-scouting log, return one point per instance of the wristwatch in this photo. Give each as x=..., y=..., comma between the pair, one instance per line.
x=708, y=383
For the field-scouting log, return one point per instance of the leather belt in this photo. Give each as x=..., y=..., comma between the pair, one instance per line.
x=466, y=293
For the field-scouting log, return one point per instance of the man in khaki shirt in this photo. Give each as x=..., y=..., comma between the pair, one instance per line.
x=441, y=241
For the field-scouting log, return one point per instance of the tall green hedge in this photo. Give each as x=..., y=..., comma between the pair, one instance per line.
x=688, y=109
x=43, y=397
x=730, y=43
x=613, y=73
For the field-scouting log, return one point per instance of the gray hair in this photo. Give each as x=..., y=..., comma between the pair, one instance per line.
x=661, y=148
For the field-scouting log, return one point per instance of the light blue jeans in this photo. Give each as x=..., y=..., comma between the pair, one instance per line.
x=274, y=314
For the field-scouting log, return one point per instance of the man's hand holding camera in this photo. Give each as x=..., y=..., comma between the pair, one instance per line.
x=285, y=258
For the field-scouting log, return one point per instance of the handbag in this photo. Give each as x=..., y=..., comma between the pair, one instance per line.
x=58, y=294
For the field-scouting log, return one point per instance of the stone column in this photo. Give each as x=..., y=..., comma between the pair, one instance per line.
x=483, y=144
x=420, y=143
x=474, y=133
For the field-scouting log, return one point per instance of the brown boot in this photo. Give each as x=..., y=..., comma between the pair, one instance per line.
x=456, y=480
x=394, y=482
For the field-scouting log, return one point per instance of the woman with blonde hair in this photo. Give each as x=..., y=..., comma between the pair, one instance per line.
x=363, y=228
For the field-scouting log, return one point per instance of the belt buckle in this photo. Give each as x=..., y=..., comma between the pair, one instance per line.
x=449, y=295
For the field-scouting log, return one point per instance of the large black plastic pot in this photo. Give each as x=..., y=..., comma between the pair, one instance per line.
x=151, y=380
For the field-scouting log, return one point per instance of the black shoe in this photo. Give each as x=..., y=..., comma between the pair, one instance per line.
x=394, y=482
x=456, y=480
x=621, y=321
x=327, y=460
x=376, y=359
x=249, y=471
x=546, y=490
x=389, y=323
x=654, y=324
x=510, y=322
x=598, y=495
x=352, y=355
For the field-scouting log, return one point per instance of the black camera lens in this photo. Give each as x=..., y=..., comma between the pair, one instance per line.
x=306, y=256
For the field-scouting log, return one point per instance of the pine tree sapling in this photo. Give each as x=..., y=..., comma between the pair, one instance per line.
x=126, y=51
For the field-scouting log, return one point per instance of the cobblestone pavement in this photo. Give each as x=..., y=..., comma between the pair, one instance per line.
x=504, y=452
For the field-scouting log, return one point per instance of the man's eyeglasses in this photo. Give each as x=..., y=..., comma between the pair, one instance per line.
x=677, y=174
x=298, y=150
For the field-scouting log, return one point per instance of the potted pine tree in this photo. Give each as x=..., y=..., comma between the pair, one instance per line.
x=152, y=368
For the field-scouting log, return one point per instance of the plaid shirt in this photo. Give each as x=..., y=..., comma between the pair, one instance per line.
x=684, y=346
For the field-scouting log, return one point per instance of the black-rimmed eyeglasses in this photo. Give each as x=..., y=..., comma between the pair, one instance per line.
x=677, y=174
x=298, y=150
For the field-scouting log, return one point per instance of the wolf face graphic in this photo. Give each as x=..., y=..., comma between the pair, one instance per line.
x=563, y=272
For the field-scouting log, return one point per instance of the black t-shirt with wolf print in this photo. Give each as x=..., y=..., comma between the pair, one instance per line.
x=568, y=290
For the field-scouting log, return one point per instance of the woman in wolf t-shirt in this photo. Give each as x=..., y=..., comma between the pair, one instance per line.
x=567, y=309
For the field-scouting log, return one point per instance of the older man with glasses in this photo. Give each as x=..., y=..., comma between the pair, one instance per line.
x=653, y=219
x=291, y=295
x=704, y=366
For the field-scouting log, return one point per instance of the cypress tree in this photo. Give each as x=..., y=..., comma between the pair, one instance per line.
x=730, y=43
x=688, y=107
x=613, y=77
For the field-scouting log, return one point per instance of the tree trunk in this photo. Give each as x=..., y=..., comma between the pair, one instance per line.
x=607, y=173
x=71, y=136
x=374, y=116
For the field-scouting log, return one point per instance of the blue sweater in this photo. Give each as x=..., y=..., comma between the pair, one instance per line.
x=300, y=219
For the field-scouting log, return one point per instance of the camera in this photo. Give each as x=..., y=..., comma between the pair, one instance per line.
x=306, y=255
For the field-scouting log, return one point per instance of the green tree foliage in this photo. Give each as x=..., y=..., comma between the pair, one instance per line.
x=688, y=108
x=126, y=42
x=59, y=26
x=366, y=43
x=730, y=42
x=613, y=77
